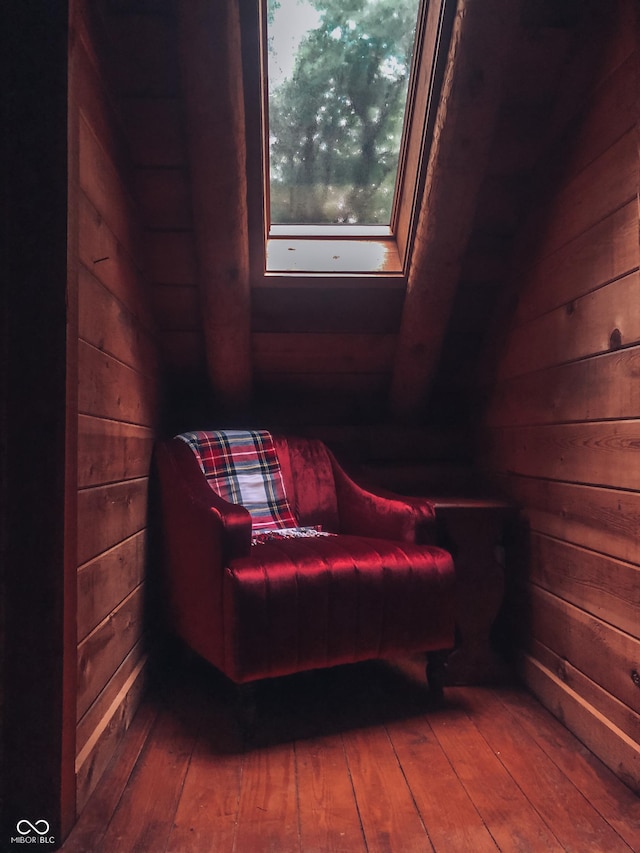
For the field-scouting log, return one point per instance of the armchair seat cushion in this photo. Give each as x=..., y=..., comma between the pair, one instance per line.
x=314, y=602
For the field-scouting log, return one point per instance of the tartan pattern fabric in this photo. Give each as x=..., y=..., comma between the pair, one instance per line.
x=242, y=467
x=288, y=533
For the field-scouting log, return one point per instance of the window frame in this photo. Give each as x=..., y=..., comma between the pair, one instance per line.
x=330, y=243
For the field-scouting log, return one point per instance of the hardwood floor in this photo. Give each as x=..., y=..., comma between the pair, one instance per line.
x=349, y=760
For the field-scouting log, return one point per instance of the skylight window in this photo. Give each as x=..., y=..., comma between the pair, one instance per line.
x=338, y=75
x=340, y=105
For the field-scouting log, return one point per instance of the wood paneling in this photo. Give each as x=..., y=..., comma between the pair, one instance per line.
x=177, y=307
x=107, y=579
x=103, y=650
x=110, y=450
x=92, y=95
x=611, y=744
x=154, y=128
x=109, y=193
x=589, y=325
x=96, y=754
x=111, y=389
x=143, y=54
x=327, y=310
x=111, y=327
x=97, y=812
x=617, y=714
x=604, y=252
x=604, y=654
x=110, y=514
x=96, y=720
x=610, y=113
x=606, y=184
x=300, y=354
x=147, y=88
x=107, y=258
x=170, y=257
x=605, y=520
x=602, y=453
x=606, y=588
x=600, y=388
x=563, y=424
x=298, y=384
x=118, y=396
x=164, y=198
x=184, y=350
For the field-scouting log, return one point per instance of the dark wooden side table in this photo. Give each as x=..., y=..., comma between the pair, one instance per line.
x=473, y=531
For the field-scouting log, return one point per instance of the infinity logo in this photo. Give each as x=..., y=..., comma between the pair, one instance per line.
x=40, y=827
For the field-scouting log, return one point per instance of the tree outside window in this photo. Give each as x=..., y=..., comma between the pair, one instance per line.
x=338, y=78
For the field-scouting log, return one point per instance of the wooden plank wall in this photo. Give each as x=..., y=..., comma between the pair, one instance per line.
x=563, y=425
x=144, y=53
x=118, y=395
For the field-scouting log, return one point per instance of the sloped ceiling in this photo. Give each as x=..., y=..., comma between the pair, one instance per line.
x=332, y=352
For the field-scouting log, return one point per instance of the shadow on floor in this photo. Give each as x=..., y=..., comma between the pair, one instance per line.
x=281, y=710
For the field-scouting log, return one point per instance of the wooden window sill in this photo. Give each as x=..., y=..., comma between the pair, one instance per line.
x=328, y=255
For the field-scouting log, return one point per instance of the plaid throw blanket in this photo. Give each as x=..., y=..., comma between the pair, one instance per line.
x=288, y=533
x=242, y=467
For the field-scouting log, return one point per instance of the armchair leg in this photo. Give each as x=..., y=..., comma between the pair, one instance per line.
x=436, y=669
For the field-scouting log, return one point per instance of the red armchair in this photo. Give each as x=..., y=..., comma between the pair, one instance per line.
x=259, y=603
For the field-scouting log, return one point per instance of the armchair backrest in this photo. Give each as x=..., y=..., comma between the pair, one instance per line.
x=282, y=482
x=307, y=471
x=242, y=467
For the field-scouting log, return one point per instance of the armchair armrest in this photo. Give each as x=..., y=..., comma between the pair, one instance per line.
x=186, y=491
x=380, y=513
x=201, y=532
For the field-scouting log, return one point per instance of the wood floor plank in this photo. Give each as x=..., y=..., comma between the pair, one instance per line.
x=329, y=820
x=267, y=814
x=89, y=831
x=507, y=813
x=144, y=816
x=617, y=803
x=207, y=815
x=389, y=816
x=452, y=821
x=350, y=761
x=577, y=825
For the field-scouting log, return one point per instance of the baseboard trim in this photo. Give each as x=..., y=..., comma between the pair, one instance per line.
x=609, y=743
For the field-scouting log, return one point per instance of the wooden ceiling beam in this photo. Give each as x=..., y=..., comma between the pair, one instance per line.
x=213, y=91
x=481, y=42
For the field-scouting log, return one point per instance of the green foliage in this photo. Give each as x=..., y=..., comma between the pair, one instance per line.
x=335, y=124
